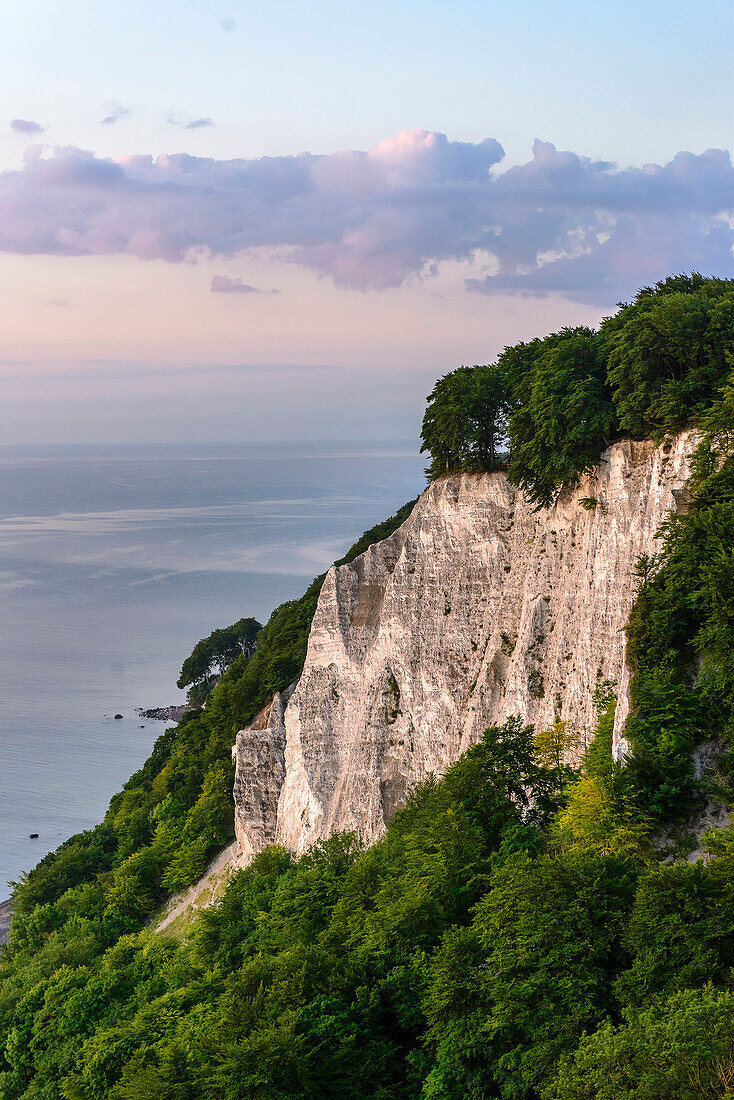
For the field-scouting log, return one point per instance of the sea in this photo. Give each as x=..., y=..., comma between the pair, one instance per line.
x=114, y=561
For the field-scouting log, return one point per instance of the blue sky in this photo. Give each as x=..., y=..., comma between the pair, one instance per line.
x=112, y=296
x=621, y=80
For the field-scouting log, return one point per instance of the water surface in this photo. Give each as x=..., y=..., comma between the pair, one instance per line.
x=114, y=561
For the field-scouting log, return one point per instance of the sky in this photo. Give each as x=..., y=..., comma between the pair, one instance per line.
x=284, y=220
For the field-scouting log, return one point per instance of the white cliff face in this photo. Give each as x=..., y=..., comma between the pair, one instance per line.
x=259, y=755
x=477, y=608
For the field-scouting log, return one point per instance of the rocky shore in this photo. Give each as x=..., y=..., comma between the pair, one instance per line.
x=165, y=714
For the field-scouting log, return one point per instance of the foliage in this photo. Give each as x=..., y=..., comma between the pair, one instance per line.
x=554, y=925
x=465, y=425
x=663, y=362
x=219, y=650
x=593, y=820
x=453, y=959
x=553, y=746
x=306, y=980
x=682, y=1047
x=669, y=351
x=563, y=415
x=681, y=645
x=679, y=933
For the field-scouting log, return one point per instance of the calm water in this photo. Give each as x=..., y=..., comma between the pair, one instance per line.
x=114, y=562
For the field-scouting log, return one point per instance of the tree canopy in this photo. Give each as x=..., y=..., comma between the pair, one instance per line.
x=548, y=407
x=563, y=414
x=466, y=420
x=217, y=651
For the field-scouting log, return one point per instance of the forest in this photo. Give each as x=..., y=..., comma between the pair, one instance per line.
x=525, y=929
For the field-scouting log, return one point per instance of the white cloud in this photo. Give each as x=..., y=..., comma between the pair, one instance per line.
x=115, y=111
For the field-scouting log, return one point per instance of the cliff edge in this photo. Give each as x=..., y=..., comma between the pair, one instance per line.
x=475, y=609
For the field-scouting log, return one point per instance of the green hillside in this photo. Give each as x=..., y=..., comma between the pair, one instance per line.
x=524, y=930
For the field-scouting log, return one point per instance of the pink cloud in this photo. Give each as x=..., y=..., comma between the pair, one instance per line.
x=371, y=220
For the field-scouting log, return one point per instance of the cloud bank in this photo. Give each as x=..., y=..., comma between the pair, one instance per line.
x=372, y=220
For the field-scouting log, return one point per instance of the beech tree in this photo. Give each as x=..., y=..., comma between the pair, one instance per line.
x=219, y=650
x=669, y=351
x=663, y=361
x=564, y=416
x=465, y=425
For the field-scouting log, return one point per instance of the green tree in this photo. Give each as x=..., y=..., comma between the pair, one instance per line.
x=680, y=930
x=681, y=1048
x=563, y=414
x=515, y=991
x=197, y=668
x=553, y=746
x=219, y=649
x=596, y=819
x=465, y=424
x=669, y=351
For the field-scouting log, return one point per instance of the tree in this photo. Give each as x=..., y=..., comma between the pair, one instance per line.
x=669, y=351
x=220, y=649
x=246, y=632
x=682, y=1047
x=551, y=929
x=197, y=668
x=516, y=990
x=595, y=820
x=563, y=415
x=465, y=424
x=553, y=745
x=663, y=361
x=680, y=930
x=552, y=748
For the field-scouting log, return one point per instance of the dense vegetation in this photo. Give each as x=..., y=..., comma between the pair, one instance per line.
x=525, y=930
x=547, y=408
x=172, y=815
x=504, y=939
x=214, y=654
x=681, y=645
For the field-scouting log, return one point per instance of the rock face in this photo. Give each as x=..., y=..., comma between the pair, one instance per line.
x=477, y=608
x=6, y=912
x=259, y=755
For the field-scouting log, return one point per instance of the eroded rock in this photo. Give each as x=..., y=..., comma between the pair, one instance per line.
x=477, y=608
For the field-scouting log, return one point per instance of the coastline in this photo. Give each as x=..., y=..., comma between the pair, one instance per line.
x=165, y=714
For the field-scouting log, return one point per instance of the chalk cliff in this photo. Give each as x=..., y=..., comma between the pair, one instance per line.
x=475, y=609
